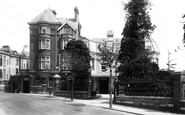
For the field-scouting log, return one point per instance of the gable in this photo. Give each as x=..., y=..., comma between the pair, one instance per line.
x=66, y=24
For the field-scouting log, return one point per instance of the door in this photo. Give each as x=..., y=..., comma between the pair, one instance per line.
x=103, y=85
x=26, y=85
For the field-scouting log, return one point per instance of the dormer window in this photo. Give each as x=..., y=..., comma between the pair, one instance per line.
x=44, y=29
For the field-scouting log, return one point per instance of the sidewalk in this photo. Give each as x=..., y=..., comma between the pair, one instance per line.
x=103, y=102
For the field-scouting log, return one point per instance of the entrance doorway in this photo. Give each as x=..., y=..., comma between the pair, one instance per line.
x=103, y=85
x=26, y=85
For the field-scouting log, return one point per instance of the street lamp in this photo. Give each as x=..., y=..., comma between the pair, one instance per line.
x=90, y=84
x=56, y=79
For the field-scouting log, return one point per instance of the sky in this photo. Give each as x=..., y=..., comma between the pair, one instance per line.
x=96, y=18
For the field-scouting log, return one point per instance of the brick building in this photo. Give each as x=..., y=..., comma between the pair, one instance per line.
x=48, y=37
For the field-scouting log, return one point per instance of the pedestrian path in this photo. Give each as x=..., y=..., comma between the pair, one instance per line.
x=103, y=102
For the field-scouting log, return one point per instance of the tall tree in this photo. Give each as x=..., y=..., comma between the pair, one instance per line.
x=80, y=63
x=135, y=60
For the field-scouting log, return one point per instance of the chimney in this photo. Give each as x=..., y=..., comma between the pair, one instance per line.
x=54, y=12
x=76, y=13
x=110, y=34
x=6, y=48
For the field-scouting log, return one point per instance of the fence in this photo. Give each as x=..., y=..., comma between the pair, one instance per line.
x=164, y=89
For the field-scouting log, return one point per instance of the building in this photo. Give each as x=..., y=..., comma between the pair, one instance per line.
x=10, y=65
x=99, y=72
x=48, y=37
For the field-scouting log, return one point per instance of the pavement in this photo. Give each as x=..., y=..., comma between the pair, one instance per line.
x=103, y=102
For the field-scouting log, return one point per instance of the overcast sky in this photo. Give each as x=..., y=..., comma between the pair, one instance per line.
x=96, y=18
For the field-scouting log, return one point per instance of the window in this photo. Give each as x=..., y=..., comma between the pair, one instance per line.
x=44, y=44
x=44, y=62
x=116, y=49
x=44, y=30
x=10, y=61
x=92, y=64
x=148, y=47
x=24, y=66
x=63, y=43
x=104, y=67
x=67, y=30
x=17, y=61
x=4, y=61
x=4, y=73
x=1, y=60
x=1, y=73
x=65, y=63
x=17, y=70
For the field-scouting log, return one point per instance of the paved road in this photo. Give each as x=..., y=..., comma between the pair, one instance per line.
x=21, y=104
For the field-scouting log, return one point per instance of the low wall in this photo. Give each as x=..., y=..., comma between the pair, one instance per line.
x=76, y=94
x=144, y=100
x=38, y=89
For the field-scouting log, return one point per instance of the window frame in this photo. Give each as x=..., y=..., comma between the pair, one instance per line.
x=44, y=62
x=44, y=44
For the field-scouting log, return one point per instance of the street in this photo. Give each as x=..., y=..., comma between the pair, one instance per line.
x=25, y=104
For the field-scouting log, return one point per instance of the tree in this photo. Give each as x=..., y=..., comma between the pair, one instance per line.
x=135, y=60
x=108, y=59
x=80, y=63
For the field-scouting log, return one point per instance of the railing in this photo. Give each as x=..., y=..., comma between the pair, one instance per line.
x=159, y=86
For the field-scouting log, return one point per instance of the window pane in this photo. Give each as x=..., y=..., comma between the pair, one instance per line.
x=1, y=60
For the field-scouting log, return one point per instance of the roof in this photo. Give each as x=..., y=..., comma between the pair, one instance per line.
x=71, y=22
x=46, y=16
x=107, y=39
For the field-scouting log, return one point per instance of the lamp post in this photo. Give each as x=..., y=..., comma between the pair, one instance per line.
x=90, y=84
x=71, y=78
x=56, y=78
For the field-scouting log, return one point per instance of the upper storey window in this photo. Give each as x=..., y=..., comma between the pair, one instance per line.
x=44, y=29
x=64, y=43
x=1, y=60
x=66, y=29
x=44, y=44
x=44, y=62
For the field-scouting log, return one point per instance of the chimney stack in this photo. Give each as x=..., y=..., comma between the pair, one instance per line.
x=76, y=13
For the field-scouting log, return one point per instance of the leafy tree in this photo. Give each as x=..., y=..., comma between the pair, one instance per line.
x=80, y=63
x=134, y=58
x=108, y=59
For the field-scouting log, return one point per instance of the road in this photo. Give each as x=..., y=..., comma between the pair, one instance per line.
x=22, y=104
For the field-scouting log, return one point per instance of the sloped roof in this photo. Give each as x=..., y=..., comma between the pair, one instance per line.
x=46, y=16
x=71, y=22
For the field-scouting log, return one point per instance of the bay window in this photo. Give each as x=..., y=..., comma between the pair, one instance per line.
x=64, y=61
x=44, y=62
x=44, y=44
x=63, y=43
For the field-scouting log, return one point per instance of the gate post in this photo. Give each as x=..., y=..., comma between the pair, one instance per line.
x=176, y=90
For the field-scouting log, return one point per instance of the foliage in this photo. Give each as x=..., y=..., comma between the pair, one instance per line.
x=108, y=56
x=134, y=58
x=79, y=61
